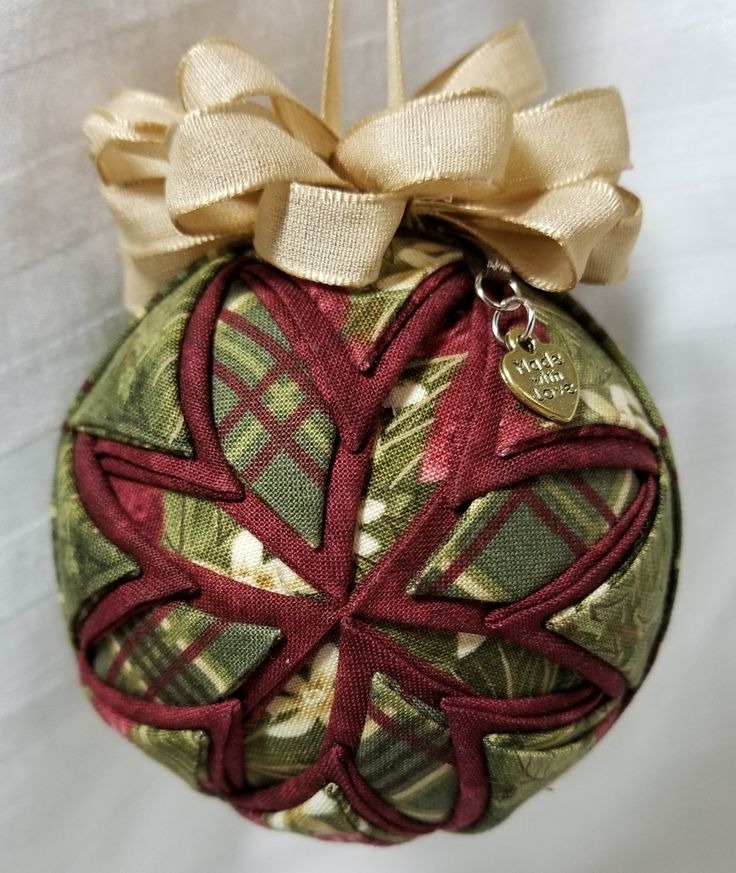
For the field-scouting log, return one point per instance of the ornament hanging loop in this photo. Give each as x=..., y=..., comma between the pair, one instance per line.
x=331, y=101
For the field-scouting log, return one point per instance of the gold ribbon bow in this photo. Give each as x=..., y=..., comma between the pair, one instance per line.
x=539, y=185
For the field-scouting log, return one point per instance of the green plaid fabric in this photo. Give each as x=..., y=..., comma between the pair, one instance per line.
x=271, y=422
x=633, y=598
x=179, y=655
x=405, y=753
x=512, y=541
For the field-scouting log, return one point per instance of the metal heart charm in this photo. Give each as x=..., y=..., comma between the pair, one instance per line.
x=541, y=375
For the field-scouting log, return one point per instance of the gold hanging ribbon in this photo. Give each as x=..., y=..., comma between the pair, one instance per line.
x=240, y=156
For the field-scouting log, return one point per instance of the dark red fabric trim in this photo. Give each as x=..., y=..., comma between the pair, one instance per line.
x=222, y=721
x=469, y=416
x=160, y=577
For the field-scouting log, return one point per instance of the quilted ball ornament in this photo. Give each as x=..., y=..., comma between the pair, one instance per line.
x=320, y=561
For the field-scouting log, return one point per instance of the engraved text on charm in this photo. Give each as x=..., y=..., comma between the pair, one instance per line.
x=541, y=375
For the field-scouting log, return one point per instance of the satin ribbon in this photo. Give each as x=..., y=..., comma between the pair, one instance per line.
x=239, y=156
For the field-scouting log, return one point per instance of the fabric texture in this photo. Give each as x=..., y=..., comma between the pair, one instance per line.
x=318, y=560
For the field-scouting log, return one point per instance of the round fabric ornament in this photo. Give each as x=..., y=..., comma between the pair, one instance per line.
x=358, y=526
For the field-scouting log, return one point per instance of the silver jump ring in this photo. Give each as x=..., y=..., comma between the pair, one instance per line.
x=504, y=304
x=526, y=334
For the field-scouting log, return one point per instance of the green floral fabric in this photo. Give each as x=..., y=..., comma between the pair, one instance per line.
x=87, y=564
x=279, y=436
x=328, y=814
x=520, y=764
x=402, y=476
x=620, y=621
x=182, y=751
x=608, y=395
x=136, y=397
x=205, y=534
x=492, y=666
x=364, y=317
x=287, y=737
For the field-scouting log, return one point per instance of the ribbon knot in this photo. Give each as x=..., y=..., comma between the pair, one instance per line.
x=240, y=156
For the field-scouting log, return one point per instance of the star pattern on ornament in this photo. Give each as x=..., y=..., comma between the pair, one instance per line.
x=116, y=480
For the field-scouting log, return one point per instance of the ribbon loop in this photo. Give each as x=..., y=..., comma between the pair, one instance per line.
x=507, y=62
x=240, y=156
x=223, y=155
x=330, y=236
x=442, y=144
x=578, y=136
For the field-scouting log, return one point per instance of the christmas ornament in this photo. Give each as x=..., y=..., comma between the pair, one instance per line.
x=358, y=526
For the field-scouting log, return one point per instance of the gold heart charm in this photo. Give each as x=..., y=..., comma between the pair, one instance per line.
x=541, y=375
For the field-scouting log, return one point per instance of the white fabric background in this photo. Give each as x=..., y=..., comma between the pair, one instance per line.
x=658, y=794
